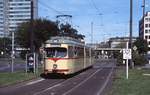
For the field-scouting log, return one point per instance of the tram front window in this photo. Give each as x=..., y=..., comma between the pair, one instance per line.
x=56, y=52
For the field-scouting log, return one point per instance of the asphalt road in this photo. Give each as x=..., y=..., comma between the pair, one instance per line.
x=5, y=65
x=93, y=81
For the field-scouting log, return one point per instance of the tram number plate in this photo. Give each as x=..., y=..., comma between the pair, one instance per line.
x=55, y=45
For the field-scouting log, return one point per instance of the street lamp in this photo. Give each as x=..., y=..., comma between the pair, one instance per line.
x=12, y=53
x=32, y=33
x=130, y=38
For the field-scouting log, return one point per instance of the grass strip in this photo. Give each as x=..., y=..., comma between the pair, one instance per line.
x=137, y=84
x=16, y=77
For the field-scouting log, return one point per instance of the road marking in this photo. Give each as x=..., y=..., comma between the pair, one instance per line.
x=146, y=74
x=33, y=82
x=105, y=83
x=59, y=84
x=82, y=82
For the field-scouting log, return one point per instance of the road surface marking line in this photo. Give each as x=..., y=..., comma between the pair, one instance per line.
x=82, y=82
x=146, y=74
x=105, y=83
x=33, y=82
x=59, y=84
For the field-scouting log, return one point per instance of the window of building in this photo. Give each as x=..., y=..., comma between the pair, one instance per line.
x=146, y=19
x=149, y=42
x=146, y=25
x=146, y=37
x=146, y=31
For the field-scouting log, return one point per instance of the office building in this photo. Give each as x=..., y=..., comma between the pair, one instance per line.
x=144, y=28
x=14, y=12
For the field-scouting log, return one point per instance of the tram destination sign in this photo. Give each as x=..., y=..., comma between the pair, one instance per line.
x=127, y=54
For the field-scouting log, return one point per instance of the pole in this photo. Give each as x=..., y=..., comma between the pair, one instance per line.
x=127, y=64
x=143, y=8
x=26, y=67
x=143, y=13
x=12, y=55
x=131, y=21
x=91, y=32
x=32, y=34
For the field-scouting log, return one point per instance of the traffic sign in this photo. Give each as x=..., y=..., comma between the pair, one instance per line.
x=134, y=48
x=127, y=54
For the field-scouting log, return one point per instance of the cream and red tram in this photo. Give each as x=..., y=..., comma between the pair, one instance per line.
x=66, y=55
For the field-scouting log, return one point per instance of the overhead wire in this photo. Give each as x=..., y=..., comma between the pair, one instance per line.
x=43, y=4
x=93, y=3
x=48, y=7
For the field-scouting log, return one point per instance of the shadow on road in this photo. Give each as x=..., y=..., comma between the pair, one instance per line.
x=62, y=76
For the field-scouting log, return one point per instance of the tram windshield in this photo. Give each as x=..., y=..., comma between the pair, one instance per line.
x=56, y=52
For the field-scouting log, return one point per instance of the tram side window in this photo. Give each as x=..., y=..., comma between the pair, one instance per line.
x=70, y=51
x=81, y=52
x=87, y=53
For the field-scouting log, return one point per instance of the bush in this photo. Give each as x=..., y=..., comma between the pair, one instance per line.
x=23, y=54
x=139, y=59
x=119, y=57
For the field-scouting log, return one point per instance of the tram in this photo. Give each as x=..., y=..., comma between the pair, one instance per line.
x=65, y=55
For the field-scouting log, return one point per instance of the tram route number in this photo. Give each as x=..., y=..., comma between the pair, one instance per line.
x=127, y=54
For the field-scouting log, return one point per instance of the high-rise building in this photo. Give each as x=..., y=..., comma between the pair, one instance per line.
x=14, y=12
x=2, y=7
x=144, y=28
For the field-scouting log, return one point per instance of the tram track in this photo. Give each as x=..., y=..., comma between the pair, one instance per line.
x=88, y=87
x=82, y=82
x=70, y=85
x=71, y=82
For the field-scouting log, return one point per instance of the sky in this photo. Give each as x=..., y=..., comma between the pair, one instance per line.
x=110, y=18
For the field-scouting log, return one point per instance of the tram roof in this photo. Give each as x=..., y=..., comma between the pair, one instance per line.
x=64, y=40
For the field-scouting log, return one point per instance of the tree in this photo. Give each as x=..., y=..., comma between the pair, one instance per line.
x=43, y=29
x=67, y=30
x=139, y=57
x=142, y=46
x=5, y=46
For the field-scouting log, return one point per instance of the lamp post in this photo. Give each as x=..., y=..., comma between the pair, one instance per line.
x=143, y=6
x=32, y=33
x=130, y=38
x=92, y=33
x=12, y=53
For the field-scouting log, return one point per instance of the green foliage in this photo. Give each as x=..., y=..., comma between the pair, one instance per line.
x=142, y=46
x=139, y=59
x=138, y=55
x=5, y=46
x=118, y=56
x=67, y=30
x=42, y=29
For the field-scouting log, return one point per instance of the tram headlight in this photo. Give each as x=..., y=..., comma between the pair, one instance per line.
x=54, y=66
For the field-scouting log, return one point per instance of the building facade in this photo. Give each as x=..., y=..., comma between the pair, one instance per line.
x=14, y=12
x=1, y=17
x=120, y=42
x=144, y=28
